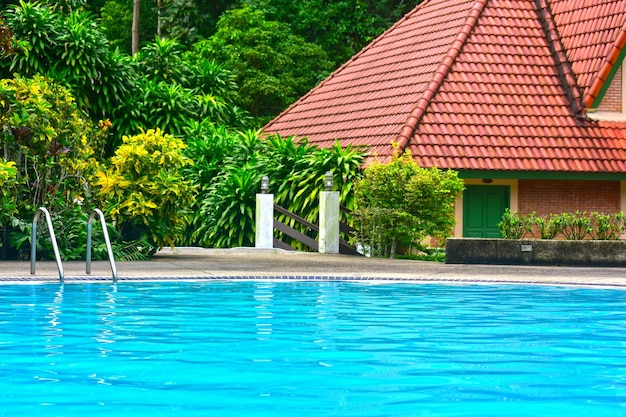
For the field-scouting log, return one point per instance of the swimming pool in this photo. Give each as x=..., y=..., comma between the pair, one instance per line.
x=259, y=348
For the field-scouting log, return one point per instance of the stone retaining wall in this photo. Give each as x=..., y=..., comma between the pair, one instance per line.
x=536, y=252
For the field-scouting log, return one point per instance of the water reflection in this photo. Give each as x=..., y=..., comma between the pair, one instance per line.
x=264, y=297
x=53, y=331
x=105, y=332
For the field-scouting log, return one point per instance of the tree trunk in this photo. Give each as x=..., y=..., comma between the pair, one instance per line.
x=159, y=19
x=135, y=29
x=394, y=246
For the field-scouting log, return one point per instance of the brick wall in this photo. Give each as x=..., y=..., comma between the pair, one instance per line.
x=555, y=197
x=612, y=100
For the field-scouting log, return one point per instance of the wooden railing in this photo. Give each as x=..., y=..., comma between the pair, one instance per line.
x=293, y=233
x=344, y=246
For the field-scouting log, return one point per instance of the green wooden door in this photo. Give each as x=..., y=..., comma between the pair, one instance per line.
x=483, y=206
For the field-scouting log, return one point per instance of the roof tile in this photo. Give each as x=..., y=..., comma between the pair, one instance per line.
x=499, y=105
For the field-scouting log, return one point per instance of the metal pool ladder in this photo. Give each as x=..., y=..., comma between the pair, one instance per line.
x=33, y=242
x=107, y=241
x=55, y=247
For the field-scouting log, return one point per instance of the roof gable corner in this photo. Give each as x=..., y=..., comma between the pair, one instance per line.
x=607, y=72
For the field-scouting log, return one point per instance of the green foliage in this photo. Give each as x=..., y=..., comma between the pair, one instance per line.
x=52, y=149
x=178, y=89
x=228, y=169
x=161, y=60
x=70, y=49
x=340, y=27
x=607, y=226
x=116, y=21
x=144, y=189
x=299, y=190
x=229, y=207
x=185, y=20
x=228, y=173
x=400, y=203
x=55, y=143
x=571, y=226
x=274, y=67
x=576, y=225
x=514, y=226
x=8, y=187
x=179, y=19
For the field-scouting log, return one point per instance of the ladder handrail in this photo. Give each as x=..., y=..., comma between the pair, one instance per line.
x=33, y=242
x=107, y=241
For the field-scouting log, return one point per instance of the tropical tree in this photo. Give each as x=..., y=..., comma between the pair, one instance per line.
x=273, y=66
x=52, y=149
x=340, y=27
x=401, y=203
x=70, y=49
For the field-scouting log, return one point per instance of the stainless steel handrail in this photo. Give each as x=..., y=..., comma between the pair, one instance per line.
x=33, y=242
x=107, y=241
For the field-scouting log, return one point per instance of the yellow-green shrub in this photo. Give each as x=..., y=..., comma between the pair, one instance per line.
x=54, y=141
x=8, y=181
x=144, y=189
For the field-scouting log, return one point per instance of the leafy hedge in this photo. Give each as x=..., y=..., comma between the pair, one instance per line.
x=570, y=226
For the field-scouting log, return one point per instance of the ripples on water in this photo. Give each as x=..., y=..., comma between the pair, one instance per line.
x=254, y=348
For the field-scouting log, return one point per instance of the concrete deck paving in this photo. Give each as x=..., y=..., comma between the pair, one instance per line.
x=246, y=263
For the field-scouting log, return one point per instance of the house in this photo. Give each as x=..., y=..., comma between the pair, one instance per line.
x=526, y=99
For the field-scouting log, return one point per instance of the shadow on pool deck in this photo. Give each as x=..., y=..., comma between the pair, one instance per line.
x=197, y=263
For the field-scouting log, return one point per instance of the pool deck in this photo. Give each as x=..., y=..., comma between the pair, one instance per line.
x=250, y=263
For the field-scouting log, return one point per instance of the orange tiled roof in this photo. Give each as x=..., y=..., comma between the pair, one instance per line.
x=478, y=85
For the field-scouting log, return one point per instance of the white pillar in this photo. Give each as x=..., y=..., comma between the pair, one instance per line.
x=264, y=217
x=329, y=222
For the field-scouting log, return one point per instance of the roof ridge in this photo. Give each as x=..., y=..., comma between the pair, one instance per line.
x=605, y=71
x=566, y=75
x=404, y=137
x=348, y=62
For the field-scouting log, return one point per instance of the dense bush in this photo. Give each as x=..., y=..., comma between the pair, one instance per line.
x=52, y=149
x=8, y=186
x=70, y=49
x=229, y=166
x=401, y=203
x=144, y=189
x=570, y=226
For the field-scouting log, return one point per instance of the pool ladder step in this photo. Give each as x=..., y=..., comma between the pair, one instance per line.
x=55, y=246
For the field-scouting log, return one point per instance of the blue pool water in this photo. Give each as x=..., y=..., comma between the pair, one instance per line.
x=254, y=348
